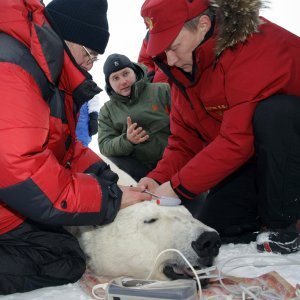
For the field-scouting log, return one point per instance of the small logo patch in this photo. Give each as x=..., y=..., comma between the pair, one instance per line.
x=154, y=107
x=149, y=22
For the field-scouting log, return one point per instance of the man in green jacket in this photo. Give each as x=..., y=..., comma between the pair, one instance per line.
x=134, y=123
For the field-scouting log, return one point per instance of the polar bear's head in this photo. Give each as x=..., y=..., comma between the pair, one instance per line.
x=129, y=245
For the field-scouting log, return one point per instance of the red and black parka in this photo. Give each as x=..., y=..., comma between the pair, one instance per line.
x=46, y=174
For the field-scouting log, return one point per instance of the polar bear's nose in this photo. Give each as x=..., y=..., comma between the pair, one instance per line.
x=207, y=246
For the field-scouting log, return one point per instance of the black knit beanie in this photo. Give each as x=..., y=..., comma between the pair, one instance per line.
x=83, y=22
x=116, y=62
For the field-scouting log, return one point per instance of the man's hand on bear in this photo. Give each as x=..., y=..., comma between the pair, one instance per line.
x=165, y=189
x=132, y=195
x=150, y=184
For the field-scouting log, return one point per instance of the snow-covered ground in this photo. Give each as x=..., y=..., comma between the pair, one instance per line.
x=64, y=292
x=244, y=255
x=288, y=266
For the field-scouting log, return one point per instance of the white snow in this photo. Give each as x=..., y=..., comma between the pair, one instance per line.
x=64, y=292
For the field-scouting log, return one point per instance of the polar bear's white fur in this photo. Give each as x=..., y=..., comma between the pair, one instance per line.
x=130, y=244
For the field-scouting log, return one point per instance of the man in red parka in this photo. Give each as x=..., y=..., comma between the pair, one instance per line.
x=48, y=179
x=154, y=74
x=235, y=129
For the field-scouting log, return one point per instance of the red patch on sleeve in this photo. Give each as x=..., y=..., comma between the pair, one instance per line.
x=154, y=107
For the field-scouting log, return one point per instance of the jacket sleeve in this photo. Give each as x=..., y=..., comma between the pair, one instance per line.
x=83, y=158
x=33, y=182
x=154, y=73
x=230, y=149
x=165, y=96
x=111, y=141
x=144, y=58
x=183, y=143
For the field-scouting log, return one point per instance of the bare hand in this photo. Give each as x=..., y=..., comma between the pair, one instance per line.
x=165, y=189
x=148, y=184
x=135, y=135
x=132, y=195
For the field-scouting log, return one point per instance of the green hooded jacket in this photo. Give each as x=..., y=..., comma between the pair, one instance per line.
x=148, y=106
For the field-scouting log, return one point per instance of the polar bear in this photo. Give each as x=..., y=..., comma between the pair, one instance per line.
x=130, y=244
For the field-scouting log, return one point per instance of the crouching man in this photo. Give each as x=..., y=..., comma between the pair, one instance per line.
x=49, y=179
x=235, y=128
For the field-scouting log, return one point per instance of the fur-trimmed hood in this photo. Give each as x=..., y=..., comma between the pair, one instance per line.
x=236, y=20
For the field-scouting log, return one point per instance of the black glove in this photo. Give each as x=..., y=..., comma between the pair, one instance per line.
x=107, y=174
x=102, y=170
x=93, y=123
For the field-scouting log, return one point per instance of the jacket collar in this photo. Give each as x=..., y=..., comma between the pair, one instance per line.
x=25, y=21
x=236, y=21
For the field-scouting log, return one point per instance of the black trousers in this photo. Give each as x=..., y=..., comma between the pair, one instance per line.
x=131, y=166
x=265, y=191
x=34, y=256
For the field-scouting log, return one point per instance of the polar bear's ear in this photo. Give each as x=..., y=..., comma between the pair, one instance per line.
x=149, y=221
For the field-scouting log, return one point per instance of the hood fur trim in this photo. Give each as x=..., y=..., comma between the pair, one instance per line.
x=236, y=19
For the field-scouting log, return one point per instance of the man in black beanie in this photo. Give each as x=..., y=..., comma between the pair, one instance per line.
x=84, y=27
x=134, y=123
x=114, y=63
x=83, y=22
x=48, y=179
